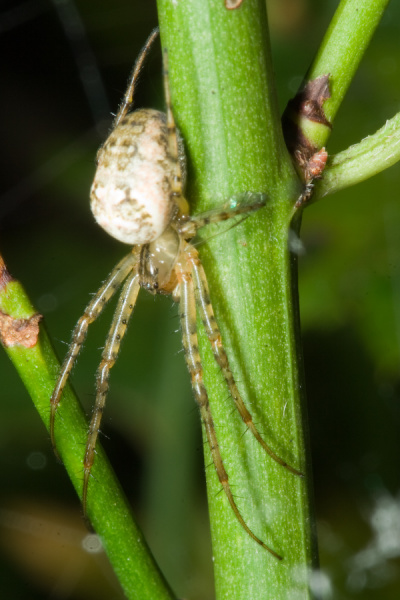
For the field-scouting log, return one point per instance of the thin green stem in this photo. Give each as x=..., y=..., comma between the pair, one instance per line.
x=372, y=155
x=224, y=102
x=339, y=56
x=107, y=507
x=344, y=44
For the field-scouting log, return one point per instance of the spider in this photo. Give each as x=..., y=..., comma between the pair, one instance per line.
x=137, y=197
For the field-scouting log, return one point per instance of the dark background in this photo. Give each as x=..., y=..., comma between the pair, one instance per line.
x=63, y=70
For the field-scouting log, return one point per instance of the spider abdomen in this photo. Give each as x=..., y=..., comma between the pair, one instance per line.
x=131, y=195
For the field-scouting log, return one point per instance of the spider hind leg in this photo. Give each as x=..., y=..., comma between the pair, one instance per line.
x=127, y=101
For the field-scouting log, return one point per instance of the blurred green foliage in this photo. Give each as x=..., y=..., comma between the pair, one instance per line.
x=349, y=294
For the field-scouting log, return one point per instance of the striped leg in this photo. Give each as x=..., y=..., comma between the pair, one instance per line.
x=190, y=345
x=123, y=312
x=176, y=150
x=240, y=206
x=128, y=98
x=214, y=335
x=92, y=311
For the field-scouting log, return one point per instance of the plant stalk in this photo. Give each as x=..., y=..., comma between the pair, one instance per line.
x=107, y=507
x=224, y=102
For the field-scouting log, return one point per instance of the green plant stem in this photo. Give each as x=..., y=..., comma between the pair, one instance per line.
x=372, y=155
x=339, y=55
x=107, y=507
x=224, y=102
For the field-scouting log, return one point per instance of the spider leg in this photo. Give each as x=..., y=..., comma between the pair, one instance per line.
x=190, y=344
x=214, y=335
x=176, y=150
x=128, y=98
x=123, y=312
x=92, y=311
x=239, y=205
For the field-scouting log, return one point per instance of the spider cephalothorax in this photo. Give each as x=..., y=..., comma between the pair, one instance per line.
x=138, y=197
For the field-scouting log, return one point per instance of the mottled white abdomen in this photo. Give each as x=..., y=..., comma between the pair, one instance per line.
x=131, y=196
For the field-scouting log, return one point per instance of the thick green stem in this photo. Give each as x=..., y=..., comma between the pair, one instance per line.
x=223, y=99
x=109, y=512
x=224, y=102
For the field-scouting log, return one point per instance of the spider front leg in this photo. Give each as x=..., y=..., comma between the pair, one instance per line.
x=92, y=311
x=187, y=308
x=214, y=335
x=123, y=312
